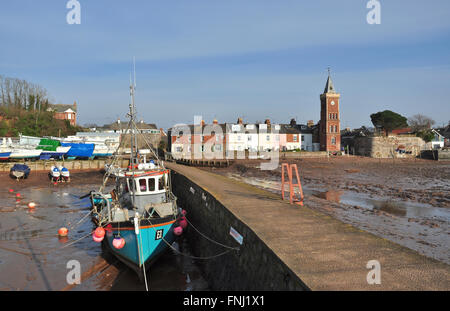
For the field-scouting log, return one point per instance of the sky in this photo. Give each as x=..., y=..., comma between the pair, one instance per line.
x=255, y=59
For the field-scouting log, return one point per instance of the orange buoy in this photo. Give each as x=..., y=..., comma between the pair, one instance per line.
x=99, y=233
x=31, y=205
x=63, y=231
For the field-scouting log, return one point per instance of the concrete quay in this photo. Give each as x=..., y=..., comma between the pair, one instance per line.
x=322, y=252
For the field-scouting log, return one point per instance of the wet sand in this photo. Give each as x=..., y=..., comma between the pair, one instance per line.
x=405, y=201
x=33, y=257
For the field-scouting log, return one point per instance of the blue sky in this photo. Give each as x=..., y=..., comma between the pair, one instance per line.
x=254, y=59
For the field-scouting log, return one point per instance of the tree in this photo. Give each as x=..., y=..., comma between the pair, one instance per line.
x=388, y=120
x=419, y=122
x=427, y=135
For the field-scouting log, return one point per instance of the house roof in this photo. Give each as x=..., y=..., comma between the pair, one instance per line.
x=61, y=108
x=402, y=131
x=122, y=126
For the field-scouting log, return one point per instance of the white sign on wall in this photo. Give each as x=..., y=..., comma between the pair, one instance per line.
x=236, y=235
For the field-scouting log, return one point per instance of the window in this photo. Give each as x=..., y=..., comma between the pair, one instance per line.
x=295, y=137
x=268, y=137
x=333, y=140
x=161, y=183
x=151, y=184
x=303, y=137
x=143, y=184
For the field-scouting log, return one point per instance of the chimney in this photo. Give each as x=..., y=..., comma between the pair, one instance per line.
x=293, y=122
x=239, y=121
x=267, y=121
x=215, y=121
x=310, y=123
x=202, y=123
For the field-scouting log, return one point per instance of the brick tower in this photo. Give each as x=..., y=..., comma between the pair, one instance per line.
x=329, y=132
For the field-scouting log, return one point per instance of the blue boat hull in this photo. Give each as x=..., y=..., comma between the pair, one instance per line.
x=48, y=155
x=151, y=244
x=4, y=155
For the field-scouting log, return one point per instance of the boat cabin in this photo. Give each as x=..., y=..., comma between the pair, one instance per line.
x=146, y=188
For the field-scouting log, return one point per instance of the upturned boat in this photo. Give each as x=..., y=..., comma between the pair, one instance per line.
x=138, y=220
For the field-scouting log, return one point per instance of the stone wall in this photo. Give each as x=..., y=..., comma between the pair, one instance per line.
x=254, y=267
x=69, y=164
x=389, y=147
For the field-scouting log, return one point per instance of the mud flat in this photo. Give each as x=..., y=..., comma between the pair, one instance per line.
x=406, y=201
x=33, y=257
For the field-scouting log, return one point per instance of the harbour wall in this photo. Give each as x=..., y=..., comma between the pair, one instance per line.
x=69, y=164
x=254, y=267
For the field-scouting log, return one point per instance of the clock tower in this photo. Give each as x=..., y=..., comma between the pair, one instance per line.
x=329, y=130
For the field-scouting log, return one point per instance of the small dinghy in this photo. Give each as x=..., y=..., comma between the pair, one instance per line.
x=20, y=171
x=65, y=174
x=54, y=174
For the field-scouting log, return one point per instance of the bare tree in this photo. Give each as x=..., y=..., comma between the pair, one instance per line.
x=420, y=122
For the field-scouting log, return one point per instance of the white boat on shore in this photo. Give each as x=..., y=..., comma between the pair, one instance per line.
x=24, y=153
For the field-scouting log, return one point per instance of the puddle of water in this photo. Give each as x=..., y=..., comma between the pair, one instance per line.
x=405, y=209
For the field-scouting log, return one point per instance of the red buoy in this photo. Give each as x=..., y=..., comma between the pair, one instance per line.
x=178, y=231
x=99, y=232
x=118, y=243
x=96, y=238
x=183, y=222
x=63, y=231
x=11, y=190
x=18, y=195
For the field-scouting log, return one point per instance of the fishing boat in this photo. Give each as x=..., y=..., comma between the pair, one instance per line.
x=140, y=215
x=20, y=171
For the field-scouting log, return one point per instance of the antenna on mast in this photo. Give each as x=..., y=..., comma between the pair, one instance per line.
x=134, y=70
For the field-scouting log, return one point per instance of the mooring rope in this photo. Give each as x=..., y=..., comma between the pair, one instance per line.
x=209, y=239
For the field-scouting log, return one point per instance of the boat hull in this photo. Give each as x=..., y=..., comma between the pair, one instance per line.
x=25, y=154
x=150, y=239
x=4, y=156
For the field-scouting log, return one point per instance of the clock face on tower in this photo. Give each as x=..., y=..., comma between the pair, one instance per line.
x=332, y=103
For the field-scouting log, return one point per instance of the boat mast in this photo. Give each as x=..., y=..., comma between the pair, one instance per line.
x=133, y=143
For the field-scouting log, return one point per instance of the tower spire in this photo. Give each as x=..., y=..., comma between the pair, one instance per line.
x=329, y=87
